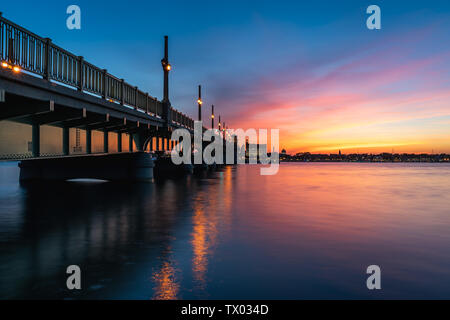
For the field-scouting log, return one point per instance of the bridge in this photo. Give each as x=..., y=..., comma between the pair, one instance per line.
x=44, y=84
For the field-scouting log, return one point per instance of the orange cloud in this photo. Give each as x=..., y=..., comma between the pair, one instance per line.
x=395, y=98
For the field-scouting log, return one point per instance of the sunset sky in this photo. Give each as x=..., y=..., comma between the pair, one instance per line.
x=309, y=68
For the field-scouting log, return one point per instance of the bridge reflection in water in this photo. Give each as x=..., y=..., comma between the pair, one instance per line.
x=121, y=235
x=308, y=232
x=211, y=213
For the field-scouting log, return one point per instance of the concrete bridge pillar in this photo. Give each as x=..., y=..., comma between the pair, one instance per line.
x=88, y=141
x=142, y=139
x=157, y=143
x=119, y=142
x=36, y=140
x=105, y=141
x=130, y=142
x=66, y=141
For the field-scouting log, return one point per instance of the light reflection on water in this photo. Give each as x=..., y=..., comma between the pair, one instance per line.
x=308, y=232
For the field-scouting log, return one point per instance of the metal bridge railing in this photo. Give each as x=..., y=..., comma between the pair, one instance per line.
x=22, y=49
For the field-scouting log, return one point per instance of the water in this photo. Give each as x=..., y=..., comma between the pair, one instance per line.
x=308, y=232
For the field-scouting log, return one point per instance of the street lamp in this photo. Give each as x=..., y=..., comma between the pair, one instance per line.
x=6, y=65
x=200, y=102
x=166, y=68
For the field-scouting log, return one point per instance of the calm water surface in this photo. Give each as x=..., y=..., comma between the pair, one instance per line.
x=308, y=232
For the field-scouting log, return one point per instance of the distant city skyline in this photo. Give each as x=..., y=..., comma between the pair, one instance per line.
x=312, y=70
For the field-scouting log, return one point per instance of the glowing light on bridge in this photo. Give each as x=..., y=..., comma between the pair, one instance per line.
x=8, y=66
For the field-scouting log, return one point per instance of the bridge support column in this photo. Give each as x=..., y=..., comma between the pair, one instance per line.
x=105, y=141
x=36, y=140
x=151, y=144
x=88, y=141
x=130, y=142
x=157, y=143
x=140, y=139
x=66, y=141
x=119, y=142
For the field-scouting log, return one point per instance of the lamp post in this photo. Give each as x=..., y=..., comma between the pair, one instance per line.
x=224, y=128
x=200, y=102
x=212, y=117
x=166, y=68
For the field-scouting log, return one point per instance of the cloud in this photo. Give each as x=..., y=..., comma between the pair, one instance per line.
x=392, y=81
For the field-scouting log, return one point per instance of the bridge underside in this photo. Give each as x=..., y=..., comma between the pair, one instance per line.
x=36, y=102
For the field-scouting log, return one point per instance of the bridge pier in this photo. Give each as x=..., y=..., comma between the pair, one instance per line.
x=66, y=141
x=142, y=139
x=88, y=141
x=119, y=142
x=114, y=167
x=130, y=142
x=105, y=141
x=36, y=140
